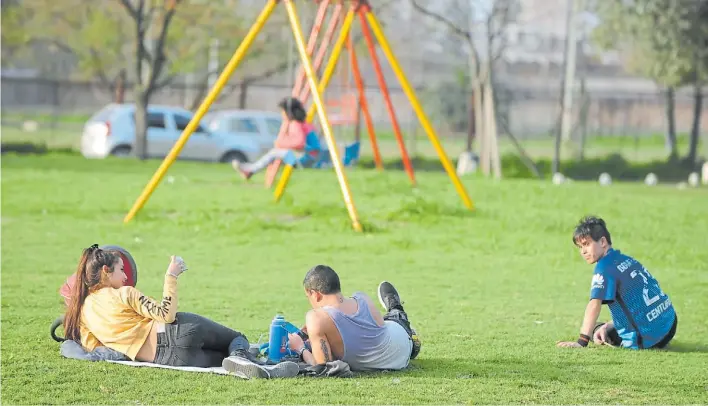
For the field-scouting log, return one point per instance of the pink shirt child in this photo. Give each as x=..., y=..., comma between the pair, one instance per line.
x=295, y=136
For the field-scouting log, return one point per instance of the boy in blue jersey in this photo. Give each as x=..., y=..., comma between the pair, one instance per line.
x=642, y=314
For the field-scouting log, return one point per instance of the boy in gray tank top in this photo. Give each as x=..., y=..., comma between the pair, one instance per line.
x=352, y=329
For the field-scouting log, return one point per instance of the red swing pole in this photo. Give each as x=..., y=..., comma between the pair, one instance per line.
x=311, y=43
x=364, y=104
x=387, y=97
x=324, y=45
x=272, y=169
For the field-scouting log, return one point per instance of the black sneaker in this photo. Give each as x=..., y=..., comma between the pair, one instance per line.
x=243, y=368
x=245, y=355
x=240, y=347
x=388, y=297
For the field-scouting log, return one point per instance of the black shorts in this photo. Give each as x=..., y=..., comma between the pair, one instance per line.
x=614, y=338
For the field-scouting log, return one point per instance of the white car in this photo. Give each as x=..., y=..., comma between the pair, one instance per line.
x=111, y=131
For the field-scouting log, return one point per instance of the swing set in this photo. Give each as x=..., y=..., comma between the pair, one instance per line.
x=308, y=74
x=344, y=110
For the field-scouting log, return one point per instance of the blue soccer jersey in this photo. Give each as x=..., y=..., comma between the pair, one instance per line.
x=641, y=312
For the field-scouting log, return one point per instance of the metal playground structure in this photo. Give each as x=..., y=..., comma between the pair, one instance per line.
x=315, y=88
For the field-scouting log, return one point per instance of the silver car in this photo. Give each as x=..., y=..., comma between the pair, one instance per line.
x=111, y=131
x=262, y=126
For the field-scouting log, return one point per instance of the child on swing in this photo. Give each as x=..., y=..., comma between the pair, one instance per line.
x=293, y=139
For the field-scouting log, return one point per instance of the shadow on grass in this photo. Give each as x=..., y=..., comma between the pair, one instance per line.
x=686, y=347
x=513, y=369
x=28, y=148
x=588, y=169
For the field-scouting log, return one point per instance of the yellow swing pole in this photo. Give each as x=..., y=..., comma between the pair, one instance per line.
x=203, y=108
x=322, y=113
x=324, y=82
x=425, y=122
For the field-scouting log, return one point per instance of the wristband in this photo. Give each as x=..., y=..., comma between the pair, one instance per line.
x=583, y=340
x=171, y=274
x=302, y=352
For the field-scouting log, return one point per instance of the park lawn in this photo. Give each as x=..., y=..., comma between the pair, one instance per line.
x=489, y=292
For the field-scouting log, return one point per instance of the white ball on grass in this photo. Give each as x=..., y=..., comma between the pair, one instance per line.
x=30, y=126
x=558, y=178
x=651, y=179
x=170, y=179
x=693, y=179
x=605, y=179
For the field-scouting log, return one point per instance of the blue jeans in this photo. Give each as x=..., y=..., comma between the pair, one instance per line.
x=265, y=160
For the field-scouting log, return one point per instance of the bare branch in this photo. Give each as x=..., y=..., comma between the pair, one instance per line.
x=268, y=73
x=164, y=82
x=451, y=25
x=98, y=68
x=130, y=9
x=53, y=41
x=159, y=57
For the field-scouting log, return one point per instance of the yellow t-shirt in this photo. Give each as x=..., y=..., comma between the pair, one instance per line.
x=121, y=319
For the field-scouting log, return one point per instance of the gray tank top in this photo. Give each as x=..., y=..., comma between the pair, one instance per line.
x=366, y=344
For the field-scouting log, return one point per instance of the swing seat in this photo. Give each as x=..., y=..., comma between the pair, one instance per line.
x=312, y=152
x=317, y=155
x=351, y=153
x=350, y=158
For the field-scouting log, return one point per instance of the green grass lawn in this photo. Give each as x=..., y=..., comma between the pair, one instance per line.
x=490, y=292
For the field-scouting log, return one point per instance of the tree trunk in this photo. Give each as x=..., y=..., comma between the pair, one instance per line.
x=671, y=121
x=471, y=124
x=141, y=103
x=490, y=104
x=243, y=94
x=120, y=87
x=696, y=128
x=583, y=119
x=474, y=127
x=485, y=142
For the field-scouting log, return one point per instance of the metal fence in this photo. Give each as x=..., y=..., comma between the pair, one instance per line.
x=52, y=112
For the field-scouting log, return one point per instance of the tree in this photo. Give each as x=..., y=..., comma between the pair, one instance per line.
x=697, y=38
x=652, y=36
x=151, y=25
x=462, y=19
x=146, y=44
x=13, y=32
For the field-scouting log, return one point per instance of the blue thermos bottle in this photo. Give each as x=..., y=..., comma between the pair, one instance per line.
x=278, y=345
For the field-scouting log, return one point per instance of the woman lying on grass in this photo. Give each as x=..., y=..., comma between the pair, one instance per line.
x=103, y=312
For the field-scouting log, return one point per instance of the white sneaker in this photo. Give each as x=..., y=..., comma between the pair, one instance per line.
x=246, y=369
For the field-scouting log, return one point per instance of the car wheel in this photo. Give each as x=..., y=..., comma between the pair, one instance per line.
x=234, y=156
x=121, y=152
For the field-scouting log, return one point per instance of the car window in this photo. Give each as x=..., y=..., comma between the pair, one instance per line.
x=243, y=125
x=154, y=120
x=182, y=121
x=274, y=125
